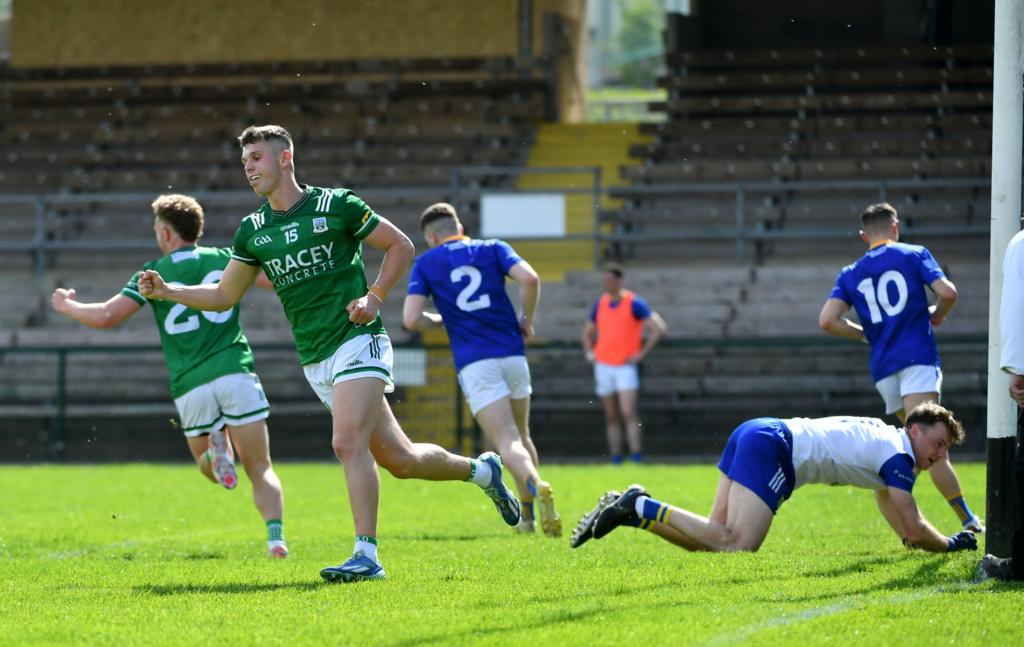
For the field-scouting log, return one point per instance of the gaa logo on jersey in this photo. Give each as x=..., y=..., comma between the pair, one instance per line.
x=319, y=225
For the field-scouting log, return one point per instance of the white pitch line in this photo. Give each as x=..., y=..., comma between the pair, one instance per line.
x=744, y=633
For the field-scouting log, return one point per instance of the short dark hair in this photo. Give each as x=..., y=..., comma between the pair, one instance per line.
x=437, y=212
x=930, y=413
x=183, y=213
x=877, y=216
x=269, y=133
x=614, y=268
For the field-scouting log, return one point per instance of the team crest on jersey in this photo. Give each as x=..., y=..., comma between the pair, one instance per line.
x=319, y=225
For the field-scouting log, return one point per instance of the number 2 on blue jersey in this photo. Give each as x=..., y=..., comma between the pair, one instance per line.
x=465, y=300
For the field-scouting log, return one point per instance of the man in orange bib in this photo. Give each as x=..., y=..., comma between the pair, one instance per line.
x=615, y=343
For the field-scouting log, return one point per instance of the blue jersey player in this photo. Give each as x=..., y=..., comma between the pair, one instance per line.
x=765, y=459
x=887, y=288
x=466, y=280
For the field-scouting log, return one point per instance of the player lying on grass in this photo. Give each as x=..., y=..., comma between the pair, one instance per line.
x=466, y=279
x=765, y=459
x=308, y=240
x=216, y=391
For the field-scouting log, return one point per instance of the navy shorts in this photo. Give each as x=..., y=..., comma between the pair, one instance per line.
x=759, y=456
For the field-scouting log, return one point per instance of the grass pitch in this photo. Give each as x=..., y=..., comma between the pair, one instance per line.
x=150, y=554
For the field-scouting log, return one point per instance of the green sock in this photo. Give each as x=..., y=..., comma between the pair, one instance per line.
x=275, y=530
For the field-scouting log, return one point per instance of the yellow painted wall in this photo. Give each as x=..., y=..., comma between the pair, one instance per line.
x=69, y=33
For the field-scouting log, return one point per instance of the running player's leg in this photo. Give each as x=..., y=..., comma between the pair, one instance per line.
x=252, y=442
x=202, y=423
x=408, y=460
x=521, y=413
x=199, y=446
x=404, y=459
x=355, y=413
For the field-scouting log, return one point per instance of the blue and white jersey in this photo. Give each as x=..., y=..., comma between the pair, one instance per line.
x=466, y=279
x=886, y=287
x=863, y=452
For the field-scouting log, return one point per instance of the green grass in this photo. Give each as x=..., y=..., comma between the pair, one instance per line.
x=153, y=554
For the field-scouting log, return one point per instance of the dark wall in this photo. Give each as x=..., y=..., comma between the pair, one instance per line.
x=812, y=23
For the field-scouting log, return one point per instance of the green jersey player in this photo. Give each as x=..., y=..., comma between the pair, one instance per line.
x=308, y=240
x=216, y=391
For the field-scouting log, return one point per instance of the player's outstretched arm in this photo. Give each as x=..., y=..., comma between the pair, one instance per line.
x=234, y=283
x=108, y=314
x=832, y=321
x=529, y=292
x=947, y=296
x=918, y=533
x=414, y=315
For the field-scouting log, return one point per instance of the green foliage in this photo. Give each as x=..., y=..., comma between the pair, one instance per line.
x=153, y=554
x=639, y=40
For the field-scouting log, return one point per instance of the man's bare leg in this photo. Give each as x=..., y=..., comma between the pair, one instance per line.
x=631, y=421
x=613, y=432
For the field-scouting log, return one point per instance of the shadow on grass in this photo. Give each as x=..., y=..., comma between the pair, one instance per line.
x=429, y=537
x=162, y=590
x=924, y=576
x=505, y=629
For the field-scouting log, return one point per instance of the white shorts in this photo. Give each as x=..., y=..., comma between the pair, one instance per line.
x=913, y=379
x=235, y=399
x=611, y=379
x=359, y=357
x=489, y=380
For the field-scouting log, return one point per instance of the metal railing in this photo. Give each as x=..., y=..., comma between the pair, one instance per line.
x=462, y=189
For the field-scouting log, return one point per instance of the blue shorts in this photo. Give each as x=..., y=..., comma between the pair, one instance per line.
x=759, y=456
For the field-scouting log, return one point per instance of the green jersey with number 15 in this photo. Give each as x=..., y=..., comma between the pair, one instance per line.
x=199, y=346
x=313, y=254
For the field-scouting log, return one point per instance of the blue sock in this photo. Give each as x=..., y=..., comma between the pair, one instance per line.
x=651, y=509
x=960, y=507
x=616, y=459
x=531, y=485
x=636, y=457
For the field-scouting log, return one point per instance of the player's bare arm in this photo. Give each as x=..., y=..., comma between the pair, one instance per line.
x=398, y=254
x=587, y=339
x=234, y=283
x=918, y=533
x=112, y=312
x=529, y=292
x=655, y=328
x=832, y=321
x=415, y=316
x=947, y=295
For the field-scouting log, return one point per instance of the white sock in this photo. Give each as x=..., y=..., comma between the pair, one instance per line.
x=369, y=549
x=640, y=500
x=482, y=473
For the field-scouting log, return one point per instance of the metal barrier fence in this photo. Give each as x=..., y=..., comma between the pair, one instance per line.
x=57, y=394
x=463, y=190
x=104, y=403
